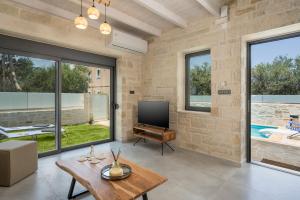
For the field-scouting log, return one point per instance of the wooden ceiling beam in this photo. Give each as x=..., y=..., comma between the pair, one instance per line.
x=163, y=12
x=213, y=9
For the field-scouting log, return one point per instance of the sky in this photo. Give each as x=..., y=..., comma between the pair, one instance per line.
x=266, y=52
x=199, y=60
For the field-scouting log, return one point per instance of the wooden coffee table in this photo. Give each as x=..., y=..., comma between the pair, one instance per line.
x=140, y=182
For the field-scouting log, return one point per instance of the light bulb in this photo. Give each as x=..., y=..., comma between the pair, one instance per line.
x=105, y=28
x=93, y=13
x=80, y=22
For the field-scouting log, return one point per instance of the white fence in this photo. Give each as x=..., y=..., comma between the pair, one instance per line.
x=33, y=100
x=200, y=98
x=88, y=105
x=284, y=99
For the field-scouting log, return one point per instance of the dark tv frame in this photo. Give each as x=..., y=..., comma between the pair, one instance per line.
x=166, y=128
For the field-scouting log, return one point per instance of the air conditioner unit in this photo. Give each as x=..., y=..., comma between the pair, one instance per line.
x=128, y=42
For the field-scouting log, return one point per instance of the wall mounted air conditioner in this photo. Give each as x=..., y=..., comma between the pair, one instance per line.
x=128, y=42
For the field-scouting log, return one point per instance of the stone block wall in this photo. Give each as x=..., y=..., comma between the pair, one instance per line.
x=129, y=78
x=272, y=113
x=218, y=133
x=34, y=117
x=276, y=152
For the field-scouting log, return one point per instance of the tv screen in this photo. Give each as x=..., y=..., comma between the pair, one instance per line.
x=154, y=113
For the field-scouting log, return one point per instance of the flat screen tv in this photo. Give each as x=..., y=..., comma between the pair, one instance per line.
x=155, y=113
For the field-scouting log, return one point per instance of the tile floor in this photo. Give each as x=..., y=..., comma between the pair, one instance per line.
x=192, y=176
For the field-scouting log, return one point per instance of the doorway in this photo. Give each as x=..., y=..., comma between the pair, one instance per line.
x=61, y=98
x=273, y=128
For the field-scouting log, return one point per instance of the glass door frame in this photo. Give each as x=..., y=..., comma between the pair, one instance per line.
x=22, y=47
x=248, y=92
x=111, y=105
x=56, y=94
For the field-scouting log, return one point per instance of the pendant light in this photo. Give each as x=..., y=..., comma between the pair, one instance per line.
x=93, y=12
x=80, y=21
x=105, y=28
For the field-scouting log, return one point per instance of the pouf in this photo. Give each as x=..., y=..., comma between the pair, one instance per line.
x=18, y=159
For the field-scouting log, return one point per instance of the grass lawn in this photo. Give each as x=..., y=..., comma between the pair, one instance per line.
x=73, y=135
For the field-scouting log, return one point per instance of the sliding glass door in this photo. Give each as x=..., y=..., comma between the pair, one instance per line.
x=274, y=102
x=61, y=98
x=85, y=104
x=27, y=100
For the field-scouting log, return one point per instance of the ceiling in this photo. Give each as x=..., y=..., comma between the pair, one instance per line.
x=144, y=18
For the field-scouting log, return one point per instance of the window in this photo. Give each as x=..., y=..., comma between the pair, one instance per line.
x=198, y=81
x=98, y=76
x=27, y=105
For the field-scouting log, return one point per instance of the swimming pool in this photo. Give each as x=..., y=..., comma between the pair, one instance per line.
x=255, y=130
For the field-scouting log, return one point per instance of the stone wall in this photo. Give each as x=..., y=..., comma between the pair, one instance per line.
x=218, y=133
x=273, y=113
x=128, y=79
x=277, y=152
x=34, y=117
x=23, y=22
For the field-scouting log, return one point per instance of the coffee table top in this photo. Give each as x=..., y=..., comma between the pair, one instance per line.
x=88, y=175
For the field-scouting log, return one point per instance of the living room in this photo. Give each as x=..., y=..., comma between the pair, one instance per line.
x=198, y=98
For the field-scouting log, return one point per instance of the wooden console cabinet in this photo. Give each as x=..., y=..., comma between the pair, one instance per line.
x=160, y=135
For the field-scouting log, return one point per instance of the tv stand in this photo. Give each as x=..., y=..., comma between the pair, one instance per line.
x=156, y=134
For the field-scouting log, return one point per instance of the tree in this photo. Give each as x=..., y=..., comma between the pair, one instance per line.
x=75, y=79
x=13, y=71
x=20, y=74
x=281, y=77
x=200, y=79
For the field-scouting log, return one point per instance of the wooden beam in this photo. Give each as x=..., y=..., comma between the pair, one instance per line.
x=124, y=18
x=112, y=13
x=213, y=9
x=163, y=12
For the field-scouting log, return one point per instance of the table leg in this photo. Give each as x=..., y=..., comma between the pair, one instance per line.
x=71, y=190
x=145, y=197
x=162, y=149
x=169, y=146
x=137, y=141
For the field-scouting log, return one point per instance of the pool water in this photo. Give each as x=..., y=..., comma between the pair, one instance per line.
x=255, y=131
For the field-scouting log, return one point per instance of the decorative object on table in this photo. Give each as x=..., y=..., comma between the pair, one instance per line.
x=105, y=172
x=82, y=159
x=92, y=153
x=90, y=157
x=116, y=169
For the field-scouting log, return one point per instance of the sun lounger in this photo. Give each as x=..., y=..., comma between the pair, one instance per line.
x=32, y=133
x=21, y=128
x=295, y=126
x=288, y=132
